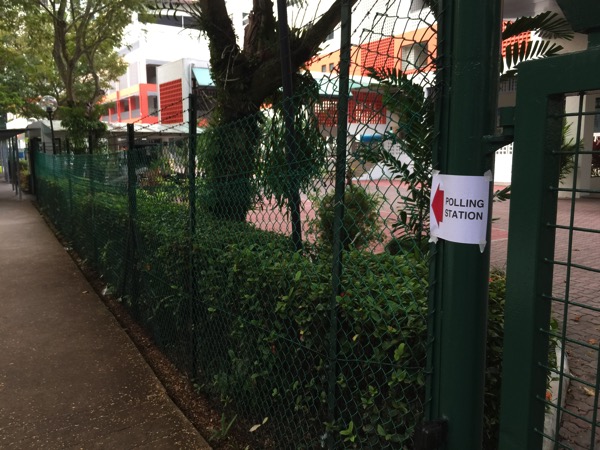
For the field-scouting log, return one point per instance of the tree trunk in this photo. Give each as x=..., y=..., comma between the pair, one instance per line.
x=230, y=160
x=244, y=81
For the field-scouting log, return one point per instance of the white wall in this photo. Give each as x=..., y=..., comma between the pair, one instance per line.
x=157, y=44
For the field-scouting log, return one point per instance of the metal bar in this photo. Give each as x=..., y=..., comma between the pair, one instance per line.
x=577, y=416
x=288, y=115
x=557, y=445
x=528, y=273
x=132, y=249
x=71, y=216
x=585, y=191
x=340, y=187
x=468, y=89
x=17, y=170
x=560, y=300
x=578, y=152
x=584, y=230
x=578, y=114
x=91, y=167
x=193, y=130
x=578, y=266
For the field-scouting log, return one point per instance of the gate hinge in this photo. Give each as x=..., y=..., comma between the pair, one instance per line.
x=431, y=435
x=506, y=122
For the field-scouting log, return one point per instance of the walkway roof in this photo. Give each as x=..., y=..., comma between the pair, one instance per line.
x=7, y=134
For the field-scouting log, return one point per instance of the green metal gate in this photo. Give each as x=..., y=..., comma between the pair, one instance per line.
x=553, y=270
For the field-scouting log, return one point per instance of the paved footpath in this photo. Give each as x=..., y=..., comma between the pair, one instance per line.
x=70, y=378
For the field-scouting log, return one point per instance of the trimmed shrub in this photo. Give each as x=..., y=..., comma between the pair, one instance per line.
x=248, y=319
x=361, y=223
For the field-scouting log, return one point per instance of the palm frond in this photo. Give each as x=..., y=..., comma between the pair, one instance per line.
x=549, y=25
x=523, y=51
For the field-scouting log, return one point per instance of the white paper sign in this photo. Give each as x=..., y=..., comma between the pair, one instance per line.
x=459, y=208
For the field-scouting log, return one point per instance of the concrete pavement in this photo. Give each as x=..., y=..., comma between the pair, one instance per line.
x=69, y=375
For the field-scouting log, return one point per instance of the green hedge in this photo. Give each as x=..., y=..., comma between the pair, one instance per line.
x=256, y=334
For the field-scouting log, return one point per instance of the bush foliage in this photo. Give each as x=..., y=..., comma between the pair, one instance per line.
x=249, y=319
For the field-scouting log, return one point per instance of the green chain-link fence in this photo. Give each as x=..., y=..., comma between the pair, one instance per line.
x=227, y=245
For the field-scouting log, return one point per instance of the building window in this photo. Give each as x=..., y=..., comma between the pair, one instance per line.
x=330, y=36
x=153, y=105
x=245, y=18
x=323, y=68
x=151, y=73
x=414, y=56
x=331, y=67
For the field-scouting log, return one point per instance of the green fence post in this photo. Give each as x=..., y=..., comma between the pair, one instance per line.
x=91, y=169
x=33, y=148
x=16, y=169
x=71, y=216
x=291, y=144
x=192, y=162
x=469, y=43
x=132, y=250
x=193, y=119
x=340, y=187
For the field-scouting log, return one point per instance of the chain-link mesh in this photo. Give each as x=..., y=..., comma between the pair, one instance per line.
x=240, y=290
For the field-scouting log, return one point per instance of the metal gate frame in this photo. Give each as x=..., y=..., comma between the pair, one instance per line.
x=538, y=125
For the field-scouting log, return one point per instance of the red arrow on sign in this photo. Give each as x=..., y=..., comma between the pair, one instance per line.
x=438, y=205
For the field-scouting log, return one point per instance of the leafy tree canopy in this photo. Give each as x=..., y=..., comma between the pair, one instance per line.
x=61, y=47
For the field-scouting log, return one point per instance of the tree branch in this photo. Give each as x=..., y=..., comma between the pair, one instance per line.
x=260, y=37
x=215, y=22
x=267, y=77
x=307, y=47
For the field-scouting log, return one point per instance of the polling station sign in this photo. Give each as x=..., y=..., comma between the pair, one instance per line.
x=459, y=208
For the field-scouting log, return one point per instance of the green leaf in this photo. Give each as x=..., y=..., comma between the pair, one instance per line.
x=348, y=431
x=399, y=352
